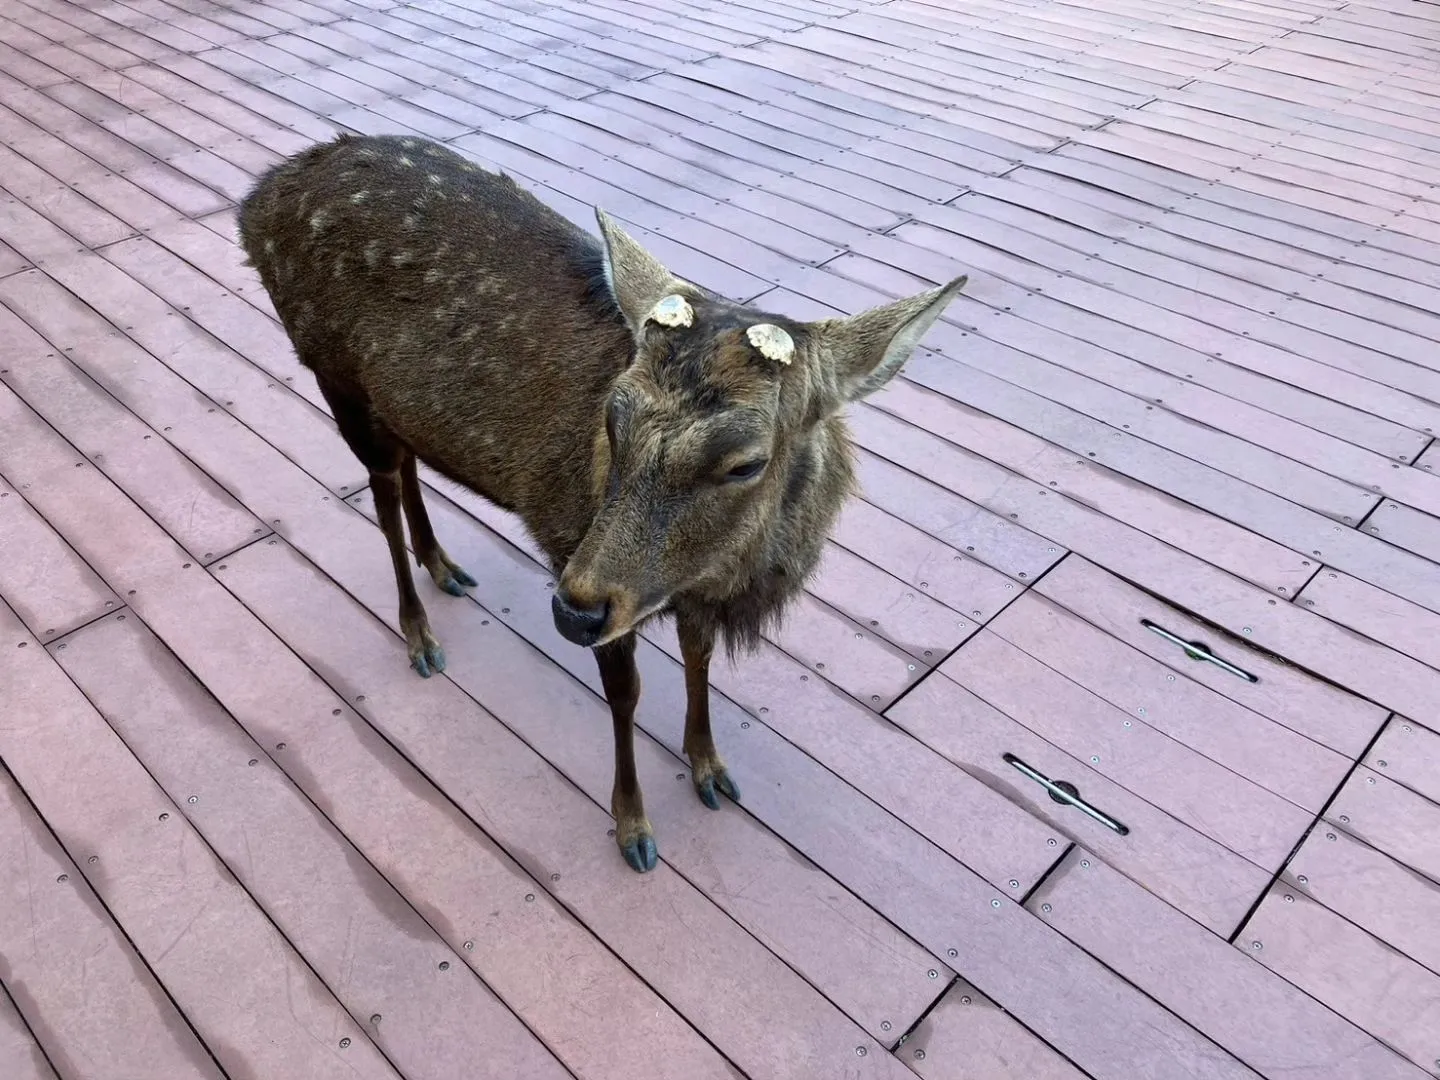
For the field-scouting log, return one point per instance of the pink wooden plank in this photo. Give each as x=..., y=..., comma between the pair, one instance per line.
x=191, y=612
x=1335, y=961
x=962, y=583
x=1069, y=472
x=1235, y=1001
x=666, y=918
x=204, y=518
x=231, y=391
x=74, y=213
x=1386, y=815
x=1409, y=754
x=215, y=308
x=839, y=650
x=948, y=516
x=1282, y=761
x=200, y=924
x=966, y=1036
x=1407, y=527
x=20, y=1055
x=1372, y=890
x=887, y=605
x=977, y=736
x=1325, y=713
x=1221, y=804
x=94, y=1007
x=48, y=585
x=372, y=947
x=1429, y=459
x=1379, y=615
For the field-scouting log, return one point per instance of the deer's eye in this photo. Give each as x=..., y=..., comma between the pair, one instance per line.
x=747, y=471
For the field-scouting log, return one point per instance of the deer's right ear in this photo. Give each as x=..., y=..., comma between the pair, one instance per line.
x=636, y=279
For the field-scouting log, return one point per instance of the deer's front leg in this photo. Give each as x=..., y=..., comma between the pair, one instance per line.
x=707, y=768
x=621, y=679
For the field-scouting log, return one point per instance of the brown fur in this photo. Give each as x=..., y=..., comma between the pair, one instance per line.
x=451, y=317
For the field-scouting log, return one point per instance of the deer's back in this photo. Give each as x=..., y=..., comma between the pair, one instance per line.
x=471, y=316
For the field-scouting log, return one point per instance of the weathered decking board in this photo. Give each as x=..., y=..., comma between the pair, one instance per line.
x=1193, y=381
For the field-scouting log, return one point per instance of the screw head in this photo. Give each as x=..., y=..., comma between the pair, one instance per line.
x=1014, y=884
x=952, y=953
x=885, y=1025
x=1046, y=908
x=1257, y=946
x=861, y=1051
x=919, y=1054
x=995, y=903
x=444, y=965
x=344, y=1042
x=1085, y=864
x=1303, y=880
x=375, y=1018
x=933, y=973
x=469, y=946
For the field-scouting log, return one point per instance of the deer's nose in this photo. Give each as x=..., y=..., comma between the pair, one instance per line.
x=578, y=622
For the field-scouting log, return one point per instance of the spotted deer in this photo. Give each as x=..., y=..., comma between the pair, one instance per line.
x=671, y=452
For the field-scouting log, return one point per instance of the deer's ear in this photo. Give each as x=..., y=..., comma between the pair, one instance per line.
x=636, y=279
x=868, y=349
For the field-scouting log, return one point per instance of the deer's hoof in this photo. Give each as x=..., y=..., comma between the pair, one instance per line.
x=463, y=578
x=717, y=781
x=712, y=777
x=453, y=586
x=428, y=657
x=640, y=853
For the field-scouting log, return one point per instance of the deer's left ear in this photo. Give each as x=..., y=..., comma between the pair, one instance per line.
x=641, y=285
x=867, y=350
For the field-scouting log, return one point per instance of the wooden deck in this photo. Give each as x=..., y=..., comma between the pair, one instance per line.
x=1190, y=395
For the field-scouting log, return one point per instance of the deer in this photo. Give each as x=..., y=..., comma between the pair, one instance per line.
x=672, y=453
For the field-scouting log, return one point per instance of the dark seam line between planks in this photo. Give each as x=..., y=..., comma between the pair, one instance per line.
x=136, y=343
x=1025, y=587
x=305, y=795
x=5, y=994
x=539, y=885
x=944, y=990
x=1221, y=633
x=1319, y=817
x=105, y=907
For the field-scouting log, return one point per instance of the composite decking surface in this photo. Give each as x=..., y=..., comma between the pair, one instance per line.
x=1190, y=396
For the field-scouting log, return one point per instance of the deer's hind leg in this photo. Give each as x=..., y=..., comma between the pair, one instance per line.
x=445, y=571
x=385, y=455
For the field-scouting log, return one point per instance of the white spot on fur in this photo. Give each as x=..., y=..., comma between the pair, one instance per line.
x=406, y=161
x=408, y=144
x=317, y=221
x=269, y=247
x=672, y=310
x=773, y=343
x=433, y=276
x=410, y=221
x=400, y=258
x=467, y=167
x=372, y=253
x=434, y=178
x=359, y=196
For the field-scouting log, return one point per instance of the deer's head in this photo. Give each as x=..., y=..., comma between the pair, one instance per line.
x=717, y=440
